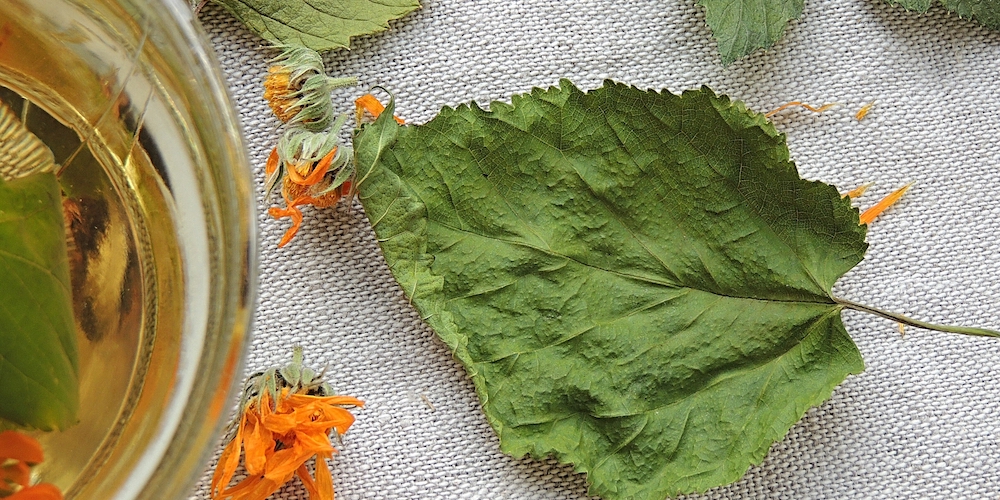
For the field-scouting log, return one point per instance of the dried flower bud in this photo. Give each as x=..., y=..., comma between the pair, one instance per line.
x=298, y=90
x=315, y=170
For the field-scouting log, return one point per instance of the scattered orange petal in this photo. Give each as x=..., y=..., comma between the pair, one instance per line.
x=872, y=213
x=858, y=191
x=372, y=105
x=860, y=115
x=18, y=453
x=292, y=211
x=801, y=105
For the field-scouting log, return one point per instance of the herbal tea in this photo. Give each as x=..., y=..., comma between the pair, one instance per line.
x=124, y=260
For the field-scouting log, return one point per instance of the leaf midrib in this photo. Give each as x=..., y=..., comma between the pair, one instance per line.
x=643, y=279
x=511, y=127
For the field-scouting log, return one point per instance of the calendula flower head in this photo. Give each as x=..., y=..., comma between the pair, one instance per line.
x=301, y=155
x=286, y=418
x=298, y=90
x=295, y=376
x=315, y=170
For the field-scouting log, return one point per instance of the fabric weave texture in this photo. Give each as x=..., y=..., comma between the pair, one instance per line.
x=920, y=422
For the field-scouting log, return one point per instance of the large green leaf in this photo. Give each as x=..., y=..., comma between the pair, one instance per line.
x=743, y=26
x=317, y=24
x=637, y=282
x=986, y=12
x=38, y=358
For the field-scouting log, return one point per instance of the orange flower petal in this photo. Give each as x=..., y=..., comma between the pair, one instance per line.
x=18, y=473
x=257, y=442
x=872, y=213
x=372, y=105
x=272, y=162
x=241, y=488
x=314, y=442
x=324, y=481
x=253, y=487
x=42, y=491
x=282, y=465
x=858, y=191
x=293, y=173
x=307, y=481
x=319, y=170
x=295, y=214
x=281, y=423
x=800, y=104
x=228, y=461
x=302, y=399
x=17, y=446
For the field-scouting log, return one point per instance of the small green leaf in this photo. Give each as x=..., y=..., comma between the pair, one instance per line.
x=638, y=283
x=985, y=12
x=317, y=24
x=743, y=26
x=38, y=357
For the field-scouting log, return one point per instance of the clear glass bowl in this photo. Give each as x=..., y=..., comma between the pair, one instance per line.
x=158, y=200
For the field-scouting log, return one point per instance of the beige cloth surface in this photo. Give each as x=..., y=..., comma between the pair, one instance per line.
x=920, y=422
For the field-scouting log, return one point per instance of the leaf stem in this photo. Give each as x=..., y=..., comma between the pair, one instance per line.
x=899, y=318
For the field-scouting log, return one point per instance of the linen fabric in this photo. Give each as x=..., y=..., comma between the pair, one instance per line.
x=920, y=422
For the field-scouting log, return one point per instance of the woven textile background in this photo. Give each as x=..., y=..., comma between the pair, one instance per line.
x=922, y=420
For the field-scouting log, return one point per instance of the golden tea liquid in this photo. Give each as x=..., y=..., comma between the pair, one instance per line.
x=158, y=204
x=124, y=261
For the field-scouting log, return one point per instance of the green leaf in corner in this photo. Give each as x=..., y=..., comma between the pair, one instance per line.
x=743, y=26
x=637, y=282
x=318, y=24
x=38, y=356
x=986, y=12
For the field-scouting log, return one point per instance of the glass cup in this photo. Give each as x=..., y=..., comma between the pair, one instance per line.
x=158, y=203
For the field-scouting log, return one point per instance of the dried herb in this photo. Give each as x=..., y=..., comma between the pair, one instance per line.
x=986, y=13
x=317, y=24
x=638, y=283
x=743, y=26
x=285, y=420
